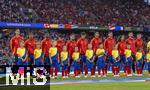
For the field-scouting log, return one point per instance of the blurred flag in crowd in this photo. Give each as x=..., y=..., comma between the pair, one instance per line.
x=114, y=27
x=54, y=25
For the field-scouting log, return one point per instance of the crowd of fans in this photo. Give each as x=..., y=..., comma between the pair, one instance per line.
x=79, y=12
x=10, y=11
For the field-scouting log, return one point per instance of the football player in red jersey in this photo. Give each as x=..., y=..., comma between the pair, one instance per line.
x=46, y=44
x=82, y=44
x=131, y=41
x=14, y=44
x=30, y=46
x=108, y=45
x=95, y=44
x=121, y=48
x=71, y=44
x=96, y=41
x=139, y=43
x=60, y=43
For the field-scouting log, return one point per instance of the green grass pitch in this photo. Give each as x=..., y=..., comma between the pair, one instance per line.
x=104, y=86
x=86, y=86
x=91, y=86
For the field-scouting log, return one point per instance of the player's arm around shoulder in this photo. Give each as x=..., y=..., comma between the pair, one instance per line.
x=50, y=56
x=94, y=57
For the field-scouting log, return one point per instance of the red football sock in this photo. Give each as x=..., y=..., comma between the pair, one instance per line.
x=75, y=72
x=85, y=70
x=94, y=69
x=63, y=72
x=106, y=68
x=99, y=71
x=125, y=69
x=129, y=70
x=137, y=70
x=103, y=71
x=51, y=71
x=115, y=70
x=140, y=70
x=66, y=72
x=78, y=72
x=91, y=72
x=118, y=70
x=56, y=71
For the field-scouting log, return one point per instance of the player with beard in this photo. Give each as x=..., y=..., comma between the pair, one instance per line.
x=108, y=45
x=60, y=43
x=139, y=43
x=14, y=44
x=131, y=41
x=71, y=44
x=95, y=44
x=82, y=44
x=121, y=48
x=30, y=44
x=46, y=44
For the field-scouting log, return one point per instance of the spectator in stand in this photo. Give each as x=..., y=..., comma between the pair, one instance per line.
x=97, y=12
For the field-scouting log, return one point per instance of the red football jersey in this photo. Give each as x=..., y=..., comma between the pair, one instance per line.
x=60, y=44
x=30, y=46
x=14, y=44
x=46, y=44
x=71, y=46
x=109, y=44
x=82, y=45
x=131, y=42
x=95, y=43
x=139, y=43
x=121, y=47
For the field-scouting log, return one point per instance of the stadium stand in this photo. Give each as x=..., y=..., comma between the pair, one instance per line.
x=79, y=12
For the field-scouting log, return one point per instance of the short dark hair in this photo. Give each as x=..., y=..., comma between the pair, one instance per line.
x=83, y=33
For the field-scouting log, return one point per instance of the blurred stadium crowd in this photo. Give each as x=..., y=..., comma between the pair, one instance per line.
x=78, y=12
